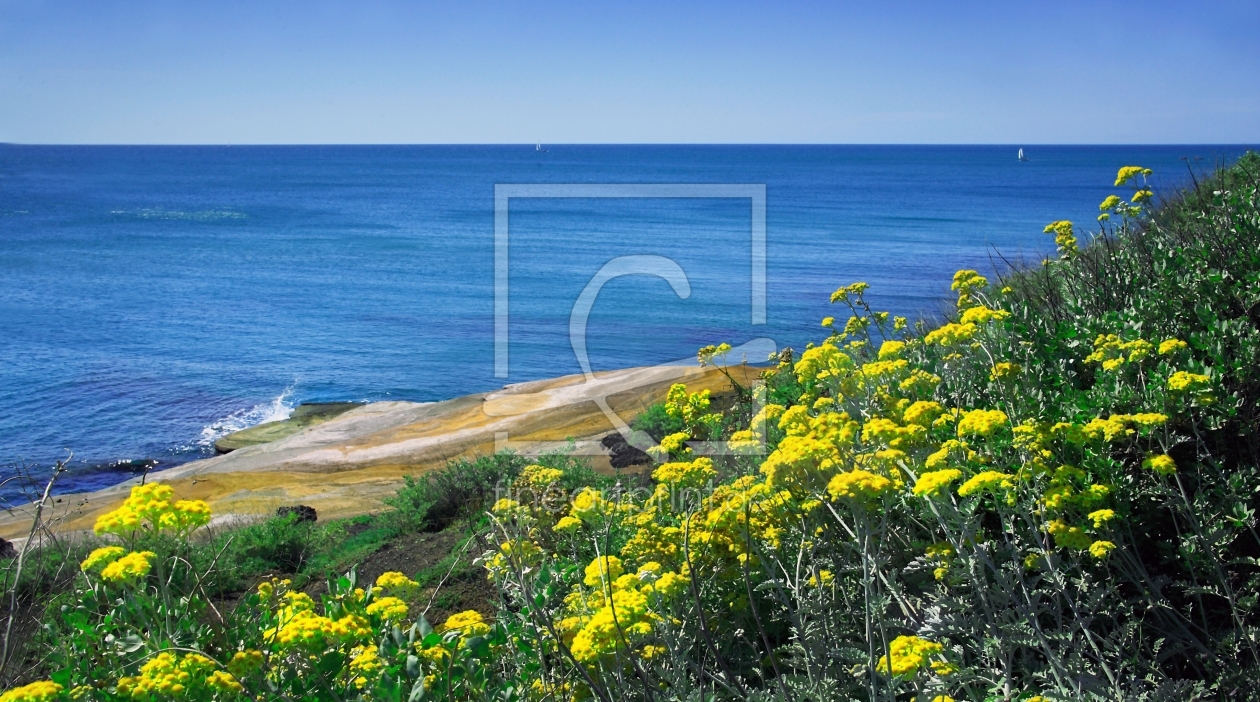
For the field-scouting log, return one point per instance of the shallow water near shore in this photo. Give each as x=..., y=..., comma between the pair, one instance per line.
x=156, y=298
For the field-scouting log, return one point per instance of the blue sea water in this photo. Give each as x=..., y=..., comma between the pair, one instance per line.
x=154, y=298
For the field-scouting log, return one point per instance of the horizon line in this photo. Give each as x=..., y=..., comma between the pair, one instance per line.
x=625, y=143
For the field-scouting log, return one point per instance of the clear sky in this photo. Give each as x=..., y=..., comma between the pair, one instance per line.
x=467, y=71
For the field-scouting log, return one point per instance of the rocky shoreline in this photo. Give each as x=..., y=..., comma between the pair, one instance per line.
x=345, y=460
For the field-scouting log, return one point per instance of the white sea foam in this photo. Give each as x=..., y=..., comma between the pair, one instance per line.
x=277, y=410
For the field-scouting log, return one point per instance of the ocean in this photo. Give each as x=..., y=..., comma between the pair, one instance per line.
x=153, y=299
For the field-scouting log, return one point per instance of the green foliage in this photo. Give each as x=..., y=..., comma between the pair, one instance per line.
x=432, y=501
x=656, y=422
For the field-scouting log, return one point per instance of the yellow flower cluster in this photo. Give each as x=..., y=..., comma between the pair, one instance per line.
x=151, y=507
x=858, y=485
x=618, y=608
x=1100, y=549
x=468, y=623
x=1169, y=347
x=692, y=474
x=168, y=675
x=908, y=654
x=1127, y=173
x=1113, y=352
x=991, y=482
x=245, y=662
x=848, y=291
x=389, y=609
x=300, y=626
x=824, y=578
x=397, y=584
x=128, y=569
x=41, y=691
x=951, y=334
x=935, y=482
x=1068, y=536
x=692, y=409
x=981, y=422
x=100, y=558
x=1063, y=236
x=1185, y=381
x=365, y=665
x=1160, y=463
x=968, y=283
x=1005, y=371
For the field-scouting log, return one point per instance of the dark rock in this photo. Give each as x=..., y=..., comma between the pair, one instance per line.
x=7, y=550
x=623, y=455
x=303, y=513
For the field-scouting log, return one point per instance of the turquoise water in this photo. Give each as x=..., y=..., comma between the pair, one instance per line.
x=154, y=298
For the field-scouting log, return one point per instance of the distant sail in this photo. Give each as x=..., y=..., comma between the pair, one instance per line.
x=1022, y=157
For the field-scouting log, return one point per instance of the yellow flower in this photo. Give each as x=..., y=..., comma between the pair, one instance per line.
x=950, y=334
x=397, y=584
x=1101, y=517
x=1099, y=549
x=828, y=321
x=589, y=505
x=602, y=570
x=508, y=509
x=933, y=483
x=1110, y=203
x=468, y=623
x=166, y=675
x=846, y=291
x=567, y=523
x=128, y=569
x=1170, y=346
x=1005, y=371
x=1127, y=173
x=41, y=691
x=245, y=662
x=858, y=485
x=966, y=281
x=983, y=315
x=908, y=654
x=101, y=557
x=390, y=609
x=1110, y=429
x=1182, y=381
x=981, y=422
x=990, y=481
x=891, y=349
x=694, y=474
x=922, y=412
x=1141, y=195
x=823, y=579
x=223, y=681
x=150, y=505
x=1160, y=463
x=1063, y=235
x=1066, y=536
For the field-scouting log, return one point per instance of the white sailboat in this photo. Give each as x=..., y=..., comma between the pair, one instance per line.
x=538, y=147
x=1022, y=157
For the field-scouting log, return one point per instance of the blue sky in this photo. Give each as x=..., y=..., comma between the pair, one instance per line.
x=655, y=72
